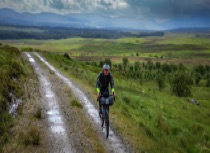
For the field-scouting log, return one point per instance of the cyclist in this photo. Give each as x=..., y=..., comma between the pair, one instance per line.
x=102, y=84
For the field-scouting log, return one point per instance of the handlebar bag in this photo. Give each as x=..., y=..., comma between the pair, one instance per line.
x=106, y=100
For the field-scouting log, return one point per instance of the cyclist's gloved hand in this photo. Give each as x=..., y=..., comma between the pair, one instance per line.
x=113, y=94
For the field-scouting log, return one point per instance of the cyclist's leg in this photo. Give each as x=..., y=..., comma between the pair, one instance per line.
x=100, y=107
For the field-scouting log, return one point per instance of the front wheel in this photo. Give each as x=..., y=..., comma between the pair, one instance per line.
x=107, y=123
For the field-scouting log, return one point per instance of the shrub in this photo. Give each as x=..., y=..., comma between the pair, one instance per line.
x=137, y=54
x=119, y=67
x=180, y=84
x=197, y=78
x=108, y=61
x=125, y=62
x=160, y=79
x=66, y=55
x=137, y=66
x=166, y=68
x=208, y=82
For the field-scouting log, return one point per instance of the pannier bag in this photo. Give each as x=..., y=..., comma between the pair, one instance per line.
x=106, y=100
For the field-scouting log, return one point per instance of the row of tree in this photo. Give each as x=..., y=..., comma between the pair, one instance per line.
x=180, y=77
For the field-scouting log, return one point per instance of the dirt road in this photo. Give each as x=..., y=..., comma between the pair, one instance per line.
x=61, y=141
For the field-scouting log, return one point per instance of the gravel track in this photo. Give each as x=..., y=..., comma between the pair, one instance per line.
x=114, y=143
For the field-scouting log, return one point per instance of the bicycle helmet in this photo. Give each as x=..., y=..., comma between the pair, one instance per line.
x=106, y=67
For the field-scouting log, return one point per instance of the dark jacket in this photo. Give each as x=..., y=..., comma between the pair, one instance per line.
x=103, y=82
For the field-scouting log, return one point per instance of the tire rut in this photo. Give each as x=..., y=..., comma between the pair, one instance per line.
x=58, y=137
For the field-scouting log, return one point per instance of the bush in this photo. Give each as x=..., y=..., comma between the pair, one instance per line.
x=119, y=67
x=137, y=66
x=208, y=82
x=125, y=62
x=160, y=79
x=66, y=55
x=108, y=61
x=197, y=78
x=137, y=54
x=180, y=84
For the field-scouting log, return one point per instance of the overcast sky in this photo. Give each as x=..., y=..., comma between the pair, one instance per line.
x=158, y=10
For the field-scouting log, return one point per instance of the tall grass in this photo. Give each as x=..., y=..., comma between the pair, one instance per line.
x=30, y=137
x=12, y=76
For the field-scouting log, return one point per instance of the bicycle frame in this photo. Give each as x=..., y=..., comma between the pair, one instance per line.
x=105, y=116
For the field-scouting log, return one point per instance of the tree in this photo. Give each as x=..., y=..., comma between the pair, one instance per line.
x=166, y=68
x=140, y=76
x=180, y=84
x=119, y=67
x=160, y=80
x=158, y=65
x=150, y=65
x=108, y=61
x=137, y=66
x=125, y=62
x=197, y=78
x=66, y=55
x=208, y=80
x=137, y=54
x=200, y=69
x=101, y=63
x=207, y=67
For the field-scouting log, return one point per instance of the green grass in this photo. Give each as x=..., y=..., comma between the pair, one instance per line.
x=150, y=120
x=13, y=74
x=75, y=103
x=31, y=136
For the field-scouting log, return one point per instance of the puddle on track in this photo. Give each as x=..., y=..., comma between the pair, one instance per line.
x=58, y=134
x=114, y=141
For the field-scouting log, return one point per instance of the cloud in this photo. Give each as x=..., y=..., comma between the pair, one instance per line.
x=130, y=8
x=145, y=13
x=170, y=8
x=64, y=6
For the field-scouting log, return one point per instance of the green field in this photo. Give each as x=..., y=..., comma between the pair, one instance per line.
x=149, y=119
x=175, y=47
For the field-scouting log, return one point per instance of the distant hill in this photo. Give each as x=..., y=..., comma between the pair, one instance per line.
x=89, y=20
x=10, y=17
x=97, y=21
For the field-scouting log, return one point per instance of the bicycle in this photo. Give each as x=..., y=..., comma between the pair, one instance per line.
x=105, y=102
